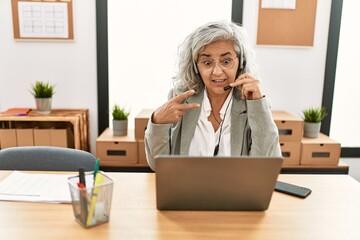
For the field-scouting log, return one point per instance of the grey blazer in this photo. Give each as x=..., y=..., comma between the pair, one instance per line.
x=253, y=130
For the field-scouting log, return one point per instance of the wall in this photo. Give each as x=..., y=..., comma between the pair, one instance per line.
x=292, y=77
x=71, y=66
x=143, y=78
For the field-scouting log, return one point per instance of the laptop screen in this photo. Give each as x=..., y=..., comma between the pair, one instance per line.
x=215, y=183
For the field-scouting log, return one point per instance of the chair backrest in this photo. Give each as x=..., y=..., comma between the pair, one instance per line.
x=46, y=158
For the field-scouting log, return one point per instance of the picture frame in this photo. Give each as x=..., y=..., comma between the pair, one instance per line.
x=43, y=19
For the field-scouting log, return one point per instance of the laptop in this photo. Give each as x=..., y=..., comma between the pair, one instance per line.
x=215, y=183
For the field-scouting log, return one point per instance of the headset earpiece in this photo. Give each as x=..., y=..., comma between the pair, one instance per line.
x=242, y=64
x=195, y=68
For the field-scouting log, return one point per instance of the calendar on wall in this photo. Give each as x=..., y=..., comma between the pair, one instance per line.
x=43, y=19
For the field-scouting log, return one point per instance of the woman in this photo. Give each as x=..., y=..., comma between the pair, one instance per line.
x=216, y=107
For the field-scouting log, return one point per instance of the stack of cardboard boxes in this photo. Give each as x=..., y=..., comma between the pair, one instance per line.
x=290, y=135
x=129, y=150
x=298, y=150
x=61, y=128
x=36, y=137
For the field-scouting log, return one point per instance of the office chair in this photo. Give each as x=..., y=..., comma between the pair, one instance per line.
x=46, y=158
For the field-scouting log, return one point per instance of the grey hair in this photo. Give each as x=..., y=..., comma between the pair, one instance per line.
x=187, y=76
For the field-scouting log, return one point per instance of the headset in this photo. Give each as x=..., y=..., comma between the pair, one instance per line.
x=241, y=68
x=216, y=150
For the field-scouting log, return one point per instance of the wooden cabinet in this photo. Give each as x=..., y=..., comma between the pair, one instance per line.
x=71, y=124
x=120, y=151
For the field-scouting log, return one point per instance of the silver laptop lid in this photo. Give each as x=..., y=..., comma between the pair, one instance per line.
x=215, y=183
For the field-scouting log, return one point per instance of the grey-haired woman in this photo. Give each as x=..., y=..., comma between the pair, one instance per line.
x=217, y=107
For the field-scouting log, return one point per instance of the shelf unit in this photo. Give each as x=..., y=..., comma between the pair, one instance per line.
x=76, y=120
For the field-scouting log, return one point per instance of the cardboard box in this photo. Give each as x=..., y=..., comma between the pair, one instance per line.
x=8, y=138
x=141, y=153
x=291, y=152
x=25, y=137
x=53, y=137
x=61, y=138
x=141, y=121
x=117, y=150
x=320, y=151
x=41, y=137
x=290, y=128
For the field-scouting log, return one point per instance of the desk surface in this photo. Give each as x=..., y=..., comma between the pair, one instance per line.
x=332, y=211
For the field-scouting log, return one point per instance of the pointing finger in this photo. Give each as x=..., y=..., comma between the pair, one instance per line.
x=187, y=106
x=183, y=96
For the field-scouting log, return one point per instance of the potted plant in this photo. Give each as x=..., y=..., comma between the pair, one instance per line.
x=312, y=121
x=43, y=92
x=120, y=120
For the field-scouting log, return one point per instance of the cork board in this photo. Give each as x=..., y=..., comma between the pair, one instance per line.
x=43, y=19
x=291, y=27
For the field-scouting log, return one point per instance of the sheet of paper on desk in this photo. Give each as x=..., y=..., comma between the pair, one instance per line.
x=34, y=187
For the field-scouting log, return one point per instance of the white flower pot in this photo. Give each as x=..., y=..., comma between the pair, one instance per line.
x=120, y=127
x=43, y=105
x=311, y=130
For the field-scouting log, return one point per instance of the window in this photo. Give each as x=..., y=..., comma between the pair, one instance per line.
x=141, y=76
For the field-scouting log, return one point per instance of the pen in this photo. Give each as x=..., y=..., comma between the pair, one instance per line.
x=98, y=181
x=97, y=166
x=83, y=203
x=82, y=176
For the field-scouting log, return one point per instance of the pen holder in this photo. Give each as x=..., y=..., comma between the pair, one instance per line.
x=91, y=204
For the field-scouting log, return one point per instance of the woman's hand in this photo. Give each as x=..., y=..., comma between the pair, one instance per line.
x=174, y=109
x=249, y=87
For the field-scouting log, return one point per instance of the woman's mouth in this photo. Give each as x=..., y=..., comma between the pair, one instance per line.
x=219, y=81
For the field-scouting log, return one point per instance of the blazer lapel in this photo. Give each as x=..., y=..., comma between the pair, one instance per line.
x=238, y=123
x=189, y=122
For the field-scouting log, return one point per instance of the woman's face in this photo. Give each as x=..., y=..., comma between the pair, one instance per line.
x=217, y=65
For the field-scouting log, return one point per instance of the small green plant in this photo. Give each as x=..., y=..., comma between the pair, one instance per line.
x=119, y=113
x=314, y=115
x=42, y=90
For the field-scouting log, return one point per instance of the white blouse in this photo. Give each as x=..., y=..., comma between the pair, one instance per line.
x=205, y=139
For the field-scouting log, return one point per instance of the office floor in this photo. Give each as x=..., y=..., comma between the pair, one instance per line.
x=354, y=164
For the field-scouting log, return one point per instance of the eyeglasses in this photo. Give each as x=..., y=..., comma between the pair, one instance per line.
x=208, y=65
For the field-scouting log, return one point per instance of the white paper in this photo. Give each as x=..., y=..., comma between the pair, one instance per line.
x=34, y=187
x=43, y=20
x=279, y=4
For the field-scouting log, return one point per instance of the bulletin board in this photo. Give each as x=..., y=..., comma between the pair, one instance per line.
x=43, y=19
x=291, y=27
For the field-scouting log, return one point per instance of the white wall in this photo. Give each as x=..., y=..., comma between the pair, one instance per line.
x=71, y=66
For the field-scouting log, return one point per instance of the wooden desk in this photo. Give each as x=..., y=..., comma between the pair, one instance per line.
x=341, y=168
x=330, y=212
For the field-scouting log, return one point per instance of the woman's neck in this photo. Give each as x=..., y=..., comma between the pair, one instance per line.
x=217, y=101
